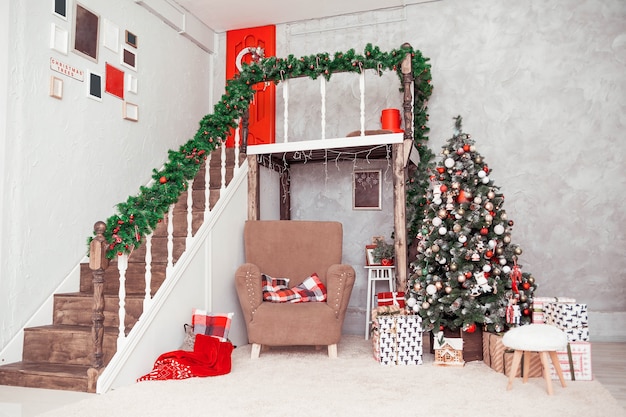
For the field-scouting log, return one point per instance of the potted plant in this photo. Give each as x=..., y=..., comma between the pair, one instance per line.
x=384, y=252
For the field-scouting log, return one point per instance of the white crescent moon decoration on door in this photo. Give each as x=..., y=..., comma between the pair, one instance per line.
x=257, y=54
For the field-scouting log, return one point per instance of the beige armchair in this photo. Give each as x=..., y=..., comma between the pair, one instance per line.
x=294, y=249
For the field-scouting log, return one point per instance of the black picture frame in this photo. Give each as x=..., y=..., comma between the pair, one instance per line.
x=59, y=8
x=86, y=32
x=95, y=86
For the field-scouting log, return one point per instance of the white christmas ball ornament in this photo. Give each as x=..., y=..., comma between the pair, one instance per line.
x=506, y=269
x=462, y=239
x=416, y=308
x=437, y=221
x=443, y=230
x=485, y=180
x=431, y=289
x=425, y=305
x=492, y=243
x=498, y=229
x=411, y=302
x=449, y=162
x=437, y=201
x=482, y=174
x=486, y=267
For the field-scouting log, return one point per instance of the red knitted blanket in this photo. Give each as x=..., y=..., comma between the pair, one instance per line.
x=210, y=357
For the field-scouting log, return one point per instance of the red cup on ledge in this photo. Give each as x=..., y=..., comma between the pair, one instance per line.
x=390, y=120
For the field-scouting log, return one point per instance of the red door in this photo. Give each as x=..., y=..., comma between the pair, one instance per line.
x=263, y=107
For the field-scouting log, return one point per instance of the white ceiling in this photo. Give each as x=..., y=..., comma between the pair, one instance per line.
x=221, y=15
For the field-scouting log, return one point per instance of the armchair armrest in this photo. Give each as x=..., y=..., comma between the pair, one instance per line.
x=249, y=289
x=339, y=282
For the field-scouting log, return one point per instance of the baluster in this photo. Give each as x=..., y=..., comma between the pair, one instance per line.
x=207, y=186
x=237, y=140
x=362, y=88
x=148, y=277
x=98, y=262
x=189, y=212
x=122, y=266
x=323, y=94
x=170, y=241
x=286, y=114
x=223, y=168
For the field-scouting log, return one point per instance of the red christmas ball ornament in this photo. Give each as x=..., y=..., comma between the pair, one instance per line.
x=466, y=147
x=526, y=312
x=484, y=231
x=489, y=254
x=443, y=188
x=462, y=198
x=441, y=170
x=441, y=327
x=471, y=328
x=486, y=169
x=526, y=286
x=468, y=274
x=163, y=180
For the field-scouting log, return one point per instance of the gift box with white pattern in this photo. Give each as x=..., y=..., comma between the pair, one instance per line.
x=580, y=362
x=399, y=340
x=572, y=318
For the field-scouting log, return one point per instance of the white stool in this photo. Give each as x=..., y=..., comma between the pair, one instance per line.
x=375, y=274
x=542, y=338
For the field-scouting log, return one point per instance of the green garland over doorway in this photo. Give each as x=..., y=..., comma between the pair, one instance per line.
x=141, y=213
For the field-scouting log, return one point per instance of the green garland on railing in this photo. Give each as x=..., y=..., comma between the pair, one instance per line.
x=140, y=214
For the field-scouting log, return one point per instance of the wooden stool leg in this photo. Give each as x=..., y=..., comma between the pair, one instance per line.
x=517, y=358
x=546, y=370
x=526, y=366
x=557, y=367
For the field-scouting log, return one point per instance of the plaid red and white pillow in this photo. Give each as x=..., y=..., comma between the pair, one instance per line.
x=277, y=290
x=211, y=324
x=311, y=289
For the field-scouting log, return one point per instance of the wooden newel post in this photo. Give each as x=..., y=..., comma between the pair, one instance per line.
x=98, y=262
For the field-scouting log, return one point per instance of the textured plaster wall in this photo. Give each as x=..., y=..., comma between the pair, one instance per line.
x=541, y=87
x=69, y=162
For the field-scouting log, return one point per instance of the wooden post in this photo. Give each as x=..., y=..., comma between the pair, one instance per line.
x=401, y=153
x=253, y=188
x=98, y=262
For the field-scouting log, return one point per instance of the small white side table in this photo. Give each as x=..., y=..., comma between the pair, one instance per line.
x=375, y=274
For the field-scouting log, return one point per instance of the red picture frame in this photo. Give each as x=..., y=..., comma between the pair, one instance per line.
x=114, y=83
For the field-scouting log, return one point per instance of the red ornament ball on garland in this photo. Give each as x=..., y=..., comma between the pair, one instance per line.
x=526, y=286
x=443, y=188
x=484, y=231
x=163, y=180
x=466, y=148
x=471, y=328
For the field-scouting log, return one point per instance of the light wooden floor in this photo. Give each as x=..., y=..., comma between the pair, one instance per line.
x=608, y=362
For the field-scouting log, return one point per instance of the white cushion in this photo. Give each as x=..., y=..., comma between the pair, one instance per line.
x=535, y=337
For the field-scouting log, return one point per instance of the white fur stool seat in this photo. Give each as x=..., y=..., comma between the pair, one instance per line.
x=542, y=338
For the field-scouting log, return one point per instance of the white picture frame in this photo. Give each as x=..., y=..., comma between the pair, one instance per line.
x=110, y=35
x=95, y=86
x=56, y=87
x=131, y=83
x=59, y=39
x=130, y=111
x=128, y=58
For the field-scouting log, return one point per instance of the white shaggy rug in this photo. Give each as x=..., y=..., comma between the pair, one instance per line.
x=302, y=381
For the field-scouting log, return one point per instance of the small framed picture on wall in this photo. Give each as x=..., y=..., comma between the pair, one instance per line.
x=86, y=32
x=367, y=190
x=59, y=8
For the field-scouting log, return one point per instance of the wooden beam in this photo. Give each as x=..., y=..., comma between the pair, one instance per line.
x=399, y=216
x=253, y=188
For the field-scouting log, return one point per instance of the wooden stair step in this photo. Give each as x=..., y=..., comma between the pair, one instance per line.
x=47, y=376
x=73, y=309
x=72, y=345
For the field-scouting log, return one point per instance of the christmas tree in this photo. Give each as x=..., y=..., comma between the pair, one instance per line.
x=466, y=272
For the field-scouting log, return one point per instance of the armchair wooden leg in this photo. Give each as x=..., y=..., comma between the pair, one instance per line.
x=256, y=351
x=332, y=351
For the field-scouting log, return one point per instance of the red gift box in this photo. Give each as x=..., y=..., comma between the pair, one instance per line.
x=391, y=298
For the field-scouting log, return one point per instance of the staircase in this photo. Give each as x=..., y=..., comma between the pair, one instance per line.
x=60, y=355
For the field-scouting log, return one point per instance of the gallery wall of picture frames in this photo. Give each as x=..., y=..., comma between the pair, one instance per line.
x=108, y=55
